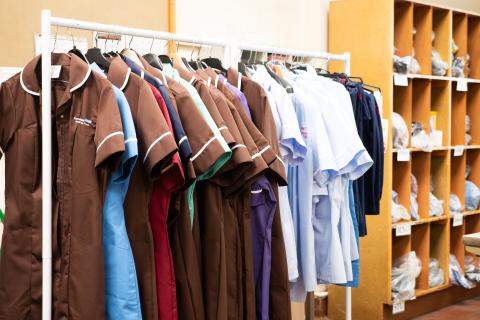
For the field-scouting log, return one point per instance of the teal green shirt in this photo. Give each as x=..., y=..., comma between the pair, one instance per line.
x=169, y=71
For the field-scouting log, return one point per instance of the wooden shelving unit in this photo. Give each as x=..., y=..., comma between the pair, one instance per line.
x=370, y=30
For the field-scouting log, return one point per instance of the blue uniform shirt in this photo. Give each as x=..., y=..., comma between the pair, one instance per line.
x=121, y=285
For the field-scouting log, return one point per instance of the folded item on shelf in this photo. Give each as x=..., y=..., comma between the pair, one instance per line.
x=413, y=184
x=458, y=66
x=472, y=268
x=436, y=276
x=455, y=204
x=399, y=212
x=468, y=168
x=468, y=138
x=414, y=207
x=420, y=138
x=400, y=131
x=472, y=196
x=467, y=123
x=405, y=270
x=435, y=206
x=407, y=64
x=457, y=275
x=439, y=67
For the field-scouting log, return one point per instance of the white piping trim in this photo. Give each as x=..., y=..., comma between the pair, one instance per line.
x=164, y=79
x=209, y=82
x=83, y=81
x=256, y=191
x=1, y=150
x=222, y=128
x=131, y=140
x=216, y=81
x=25, y=87
x=280, y=160
x=238, y=146
x=154, y=143
x=191, y=80
x=142, y=73
x=116, y=133
x=203, y=148
x=129, y=71
x=182, y=140
x=258, y=154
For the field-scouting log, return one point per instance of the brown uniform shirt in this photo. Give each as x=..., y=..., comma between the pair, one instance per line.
x=156, y=147
x=279, y=306
x=88, y=138
x=185, y=249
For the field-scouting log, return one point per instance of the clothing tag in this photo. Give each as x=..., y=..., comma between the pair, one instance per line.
x=55, y=71
x=216, y=81
x=403, y=155
x=458, y=150
x=378, y=96
x=400, y=80
x=462, y=84
x=385, y=134
x=457, y=219
x=403, y=229
x=398, y=307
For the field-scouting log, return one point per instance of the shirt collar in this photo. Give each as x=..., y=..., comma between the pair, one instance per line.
x=79, y=72
x=119, y=73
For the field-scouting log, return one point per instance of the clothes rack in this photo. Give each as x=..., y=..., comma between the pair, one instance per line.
x=47, y=21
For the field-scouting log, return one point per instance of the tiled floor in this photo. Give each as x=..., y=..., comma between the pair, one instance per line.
x=466, y=310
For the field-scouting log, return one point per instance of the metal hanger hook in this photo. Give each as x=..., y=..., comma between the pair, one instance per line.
x=191, y=54
x=130, y=43
x=151, y=46
x=198, y=52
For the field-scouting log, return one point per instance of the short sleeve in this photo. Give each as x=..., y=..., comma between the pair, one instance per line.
x=109, y=137
x=156, y=141
x=206, y=146
x=7, y=118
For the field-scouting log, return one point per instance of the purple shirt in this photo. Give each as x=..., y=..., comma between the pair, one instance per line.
x=239, y=94
x=262, y=211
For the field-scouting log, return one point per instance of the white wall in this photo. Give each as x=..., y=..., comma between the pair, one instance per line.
x=300, y=24
x=296, y=24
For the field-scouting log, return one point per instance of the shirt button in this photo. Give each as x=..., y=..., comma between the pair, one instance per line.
x=62, y=116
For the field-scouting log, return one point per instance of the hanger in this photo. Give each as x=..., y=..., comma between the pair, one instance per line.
x=284, y=83
x=165, y=58
x=114, y=53
x=242, y=66
x=95, y=55
x=76, y=51
x=214, y=63
x=131, y=54
x=153, y=59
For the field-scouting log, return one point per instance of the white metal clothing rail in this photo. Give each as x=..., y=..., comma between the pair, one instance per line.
x=345, y=57
x=47, y=21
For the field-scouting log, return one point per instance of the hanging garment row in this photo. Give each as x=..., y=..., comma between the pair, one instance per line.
x=170, y=186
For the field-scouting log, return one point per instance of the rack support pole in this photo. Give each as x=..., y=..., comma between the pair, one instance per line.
x=46, y=168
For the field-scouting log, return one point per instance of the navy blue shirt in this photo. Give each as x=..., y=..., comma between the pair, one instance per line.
x=184, y=147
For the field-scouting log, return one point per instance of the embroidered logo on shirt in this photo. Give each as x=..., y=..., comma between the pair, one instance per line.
x=85, y=122
x=304, y=132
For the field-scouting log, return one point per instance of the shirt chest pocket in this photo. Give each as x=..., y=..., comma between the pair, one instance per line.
x=27, y=155
x=83, y=164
